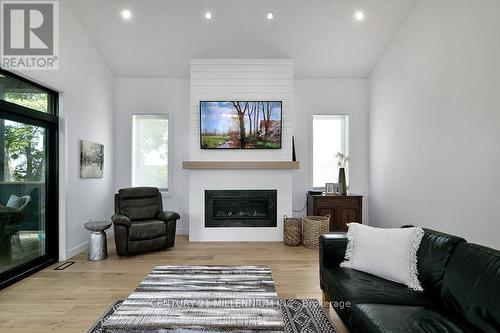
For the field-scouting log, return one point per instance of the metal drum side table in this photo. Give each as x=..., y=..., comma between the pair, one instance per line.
x=98, y=247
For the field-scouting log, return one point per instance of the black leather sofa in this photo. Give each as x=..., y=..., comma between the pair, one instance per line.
x=140, y=224
x=461, y=284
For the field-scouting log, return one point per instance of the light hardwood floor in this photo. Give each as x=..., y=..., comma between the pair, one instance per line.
x=71, y=300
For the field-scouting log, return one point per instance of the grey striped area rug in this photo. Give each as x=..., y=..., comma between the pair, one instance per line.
x=213, y=297
x=299, y=316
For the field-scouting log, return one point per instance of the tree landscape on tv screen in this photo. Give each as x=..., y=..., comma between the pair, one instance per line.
x=240, y=125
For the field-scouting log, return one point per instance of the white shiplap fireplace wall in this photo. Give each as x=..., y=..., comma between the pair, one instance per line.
x=244, y=80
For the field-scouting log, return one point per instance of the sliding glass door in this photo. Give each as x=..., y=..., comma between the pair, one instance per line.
x=28, y=177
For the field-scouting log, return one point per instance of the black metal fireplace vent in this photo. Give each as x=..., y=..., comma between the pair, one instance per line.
x=240, y=208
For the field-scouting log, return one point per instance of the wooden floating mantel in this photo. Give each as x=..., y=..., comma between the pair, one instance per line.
x=233, y=165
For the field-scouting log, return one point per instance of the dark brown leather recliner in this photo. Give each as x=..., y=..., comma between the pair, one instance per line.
x=140, y=223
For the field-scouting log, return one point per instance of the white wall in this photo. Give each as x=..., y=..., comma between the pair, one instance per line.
x=86, y=91
x=435, y=122
x=171, y=96
x=330, y=96
x=250, y=80
x=152, y=96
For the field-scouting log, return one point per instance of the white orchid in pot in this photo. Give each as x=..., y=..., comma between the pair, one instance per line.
x=342, y=161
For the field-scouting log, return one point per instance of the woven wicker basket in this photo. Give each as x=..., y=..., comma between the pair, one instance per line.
x=292, y=235
x=314, y=226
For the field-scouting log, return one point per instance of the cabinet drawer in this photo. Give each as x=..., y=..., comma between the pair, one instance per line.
x=331, y=198
x=337, y=201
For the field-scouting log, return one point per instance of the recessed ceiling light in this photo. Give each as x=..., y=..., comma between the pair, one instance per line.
x=126, y=14
x=359, y=15
x=270, y=15
x=208, y=16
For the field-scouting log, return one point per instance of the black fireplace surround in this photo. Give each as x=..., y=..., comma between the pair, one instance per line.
x=240, y=208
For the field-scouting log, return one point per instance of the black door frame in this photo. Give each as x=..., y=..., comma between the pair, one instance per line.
x=49, y=121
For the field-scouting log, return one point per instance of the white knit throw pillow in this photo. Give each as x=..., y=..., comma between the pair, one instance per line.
x=388, y=253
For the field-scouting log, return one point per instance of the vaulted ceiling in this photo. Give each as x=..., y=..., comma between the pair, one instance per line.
x=321, y=36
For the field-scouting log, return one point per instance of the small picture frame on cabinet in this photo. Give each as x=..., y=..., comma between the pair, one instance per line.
x=330, y=188
x=336, y=188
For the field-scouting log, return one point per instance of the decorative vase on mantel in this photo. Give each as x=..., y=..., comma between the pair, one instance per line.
x=342, y=182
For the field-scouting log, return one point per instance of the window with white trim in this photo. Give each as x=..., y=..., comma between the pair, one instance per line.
x=330, y=135
x=150, y=151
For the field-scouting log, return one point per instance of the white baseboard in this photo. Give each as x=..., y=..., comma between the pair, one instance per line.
x=77, y=249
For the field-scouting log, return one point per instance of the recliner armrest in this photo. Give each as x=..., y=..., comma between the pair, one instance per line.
x=332, y=247
x=168, y=216
x=121, y=219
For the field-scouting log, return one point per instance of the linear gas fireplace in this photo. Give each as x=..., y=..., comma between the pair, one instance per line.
x=240, y=208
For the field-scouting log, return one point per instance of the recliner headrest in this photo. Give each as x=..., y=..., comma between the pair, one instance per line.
x=138, y=192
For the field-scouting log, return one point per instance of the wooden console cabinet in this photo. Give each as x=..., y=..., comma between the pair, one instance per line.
x=343, y=209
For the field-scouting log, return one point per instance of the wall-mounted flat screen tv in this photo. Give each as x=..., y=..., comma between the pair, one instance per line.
x=240, y=125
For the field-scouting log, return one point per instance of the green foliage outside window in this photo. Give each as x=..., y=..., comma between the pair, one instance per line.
x=33, y=101
x=24, y=153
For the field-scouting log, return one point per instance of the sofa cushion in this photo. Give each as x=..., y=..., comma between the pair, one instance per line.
x=389, y=253
x=14, y=202
x=471, y=285
x=433, y=255
x=142, y=203
x=346, y=284
x=385, y=318
x=145, y=230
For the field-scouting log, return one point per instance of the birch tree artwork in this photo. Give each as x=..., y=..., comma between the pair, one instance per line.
x=240, y=125
x=91, y=159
